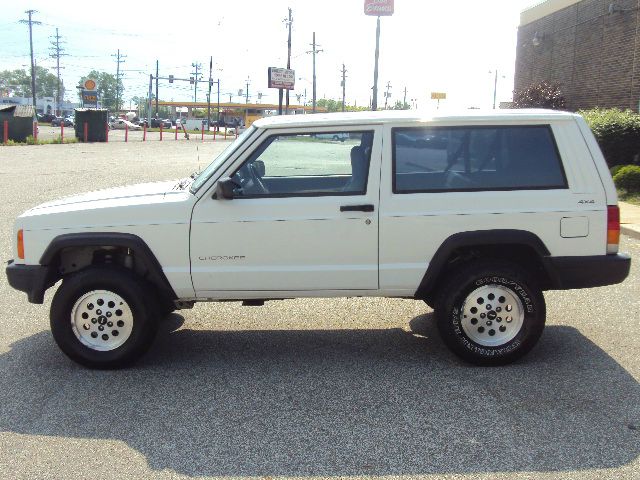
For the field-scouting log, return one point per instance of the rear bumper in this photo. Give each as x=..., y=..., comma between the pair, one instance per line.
x=32, y=279
x=586, y=272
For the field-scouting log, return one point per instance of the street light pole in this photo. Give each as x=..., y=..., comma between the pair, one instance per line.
x=374, y=100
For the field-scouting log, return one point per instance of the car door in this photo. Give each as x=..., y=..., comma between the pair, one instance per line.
x=304, y=217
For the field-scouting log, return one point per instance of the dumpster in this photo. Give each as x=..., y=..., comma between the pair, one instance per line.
x=19, y=120
x=96, y=120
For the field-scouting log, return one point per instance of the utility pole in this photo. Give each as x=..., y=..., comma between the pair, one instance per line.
x=209, y=94
x=32, y=22
x=157, y=74
x=344, y=84
x=57, y=51
x=197, y=66
x=314, y=52
x=289, y=22
x=248, y=81
x=404, y=102
x=374, y=100
x=119, y=59
x=387, y=95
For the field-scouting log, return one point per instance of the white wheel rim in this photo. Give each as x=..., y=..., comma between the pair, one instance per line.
x=492, y=315
x=101, y=320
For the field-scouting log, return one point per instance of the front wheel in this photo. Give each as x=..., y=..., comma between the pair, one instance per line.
x=490, y=312
x=102, y=317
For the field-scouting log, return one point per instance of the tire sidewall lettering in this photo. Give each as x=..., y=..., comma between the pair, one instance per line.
x=456, y=316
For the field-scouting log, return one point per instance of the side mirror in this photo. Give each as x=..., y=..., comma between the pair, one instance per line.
x=225, y=189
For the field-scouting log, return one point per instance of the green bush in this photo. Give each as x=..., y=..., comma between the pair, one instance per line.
x=628, y=179
x=618, y=134
x=615, y=169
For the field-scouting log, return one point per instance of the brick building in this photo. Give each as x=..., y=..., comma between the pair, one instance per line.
x=591, y=48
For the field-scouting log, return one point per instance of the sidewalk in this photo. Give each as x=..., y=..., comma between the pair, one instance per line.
x=629, y=219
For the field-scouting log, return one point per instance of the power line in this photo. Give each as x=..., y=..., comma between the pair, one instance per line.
x=32, y=22
x=57, y=51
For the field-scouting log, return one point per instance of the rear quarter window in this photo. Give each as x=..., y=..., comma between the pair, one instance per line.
x=478, y=158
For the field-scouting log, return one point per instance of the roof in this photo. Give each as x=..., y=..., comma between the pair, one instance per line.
x=543, y=9
x=410, y=116
x=18, y=110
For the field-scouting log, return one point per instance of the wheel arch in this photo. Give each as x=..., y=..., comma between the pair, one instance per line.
x=146, y=264
x=519, y=246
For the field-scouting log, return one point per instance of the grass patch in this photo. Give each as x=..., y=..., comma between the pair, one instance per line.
x=32, y=141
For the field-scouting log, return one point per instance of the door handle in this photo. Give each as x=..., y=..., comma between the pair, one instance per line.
x=356, y=208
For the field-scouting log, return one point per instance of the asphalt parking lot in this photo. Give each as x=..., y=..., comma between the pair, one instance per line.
x=305, y=388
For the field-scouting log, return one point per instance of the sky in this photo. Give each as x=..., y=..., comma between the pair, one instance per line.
x=426, y=46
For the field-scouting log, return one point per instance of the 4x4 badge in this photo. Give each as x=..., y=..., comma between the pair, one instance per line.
x=586, y=202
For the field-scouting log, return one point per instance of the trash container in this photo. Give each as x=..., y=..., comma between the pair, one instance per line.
x=96, y=120
x=20, y=120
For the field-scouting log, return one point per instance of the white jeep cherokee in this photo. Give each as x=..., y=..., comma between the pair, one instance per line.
x=476, y=214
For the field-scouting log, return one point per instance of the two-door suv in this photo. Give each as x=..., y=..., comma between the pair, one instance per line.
x=475, y=214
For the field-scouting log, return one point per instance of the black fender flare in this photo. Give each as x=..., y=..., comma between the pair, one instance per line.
x=141, y=250
x=476, y=238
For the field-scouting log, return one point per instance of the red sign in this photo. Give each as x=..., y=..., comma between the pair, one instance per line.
x=378, y=8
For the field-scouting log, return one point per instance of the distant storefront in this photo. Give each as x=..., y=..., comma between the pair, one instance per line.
x=43, y=105
x=591, y=48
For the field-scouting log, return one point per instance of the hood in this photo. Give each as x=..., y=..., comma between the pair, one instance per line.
x=118, y=193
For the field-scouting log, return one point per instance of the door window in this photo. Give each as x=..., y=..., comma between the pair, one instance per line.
x=307, y=164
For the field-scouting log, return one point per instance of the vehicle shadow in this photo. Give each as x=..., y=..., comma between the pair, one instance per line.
x=333, y=403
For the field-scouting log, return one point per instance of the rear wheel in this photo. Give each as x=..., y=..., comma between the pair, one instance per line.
x=490, y=312
x=102, y=317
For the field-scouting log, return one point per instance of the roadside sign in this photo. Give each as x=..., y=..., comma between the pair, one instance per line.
x=438, y=96
x=89, y=84
x=282, y=78
x=378, y=8
x=89, y=98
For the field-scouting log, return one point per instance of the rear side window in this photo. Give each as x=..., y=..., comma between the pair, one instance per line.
x=439, y=159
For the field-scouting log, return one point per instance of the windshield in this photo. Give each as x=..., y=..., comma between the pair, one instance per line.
x=202, y=177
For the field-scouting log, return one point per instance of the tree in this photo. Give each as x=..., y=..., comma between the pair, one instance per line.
x=401, y=106
x=106, y=86
x=541, y=95
x=18, y=83
x=336, y=106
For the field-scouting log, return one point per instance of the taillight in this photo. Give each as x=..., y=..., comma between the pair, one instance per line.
x=20, y=244
x=613, y=228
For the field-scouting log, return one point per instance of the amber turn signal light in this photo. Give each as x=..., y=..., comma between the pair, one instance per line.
x=20, y=244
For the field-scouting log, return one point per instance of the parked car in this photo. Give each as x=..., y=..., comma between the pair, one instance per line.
x=512, y=204
x=45, y=117
x=166, y=123
x=121, y=124
x=57, y=121
x=341, y=137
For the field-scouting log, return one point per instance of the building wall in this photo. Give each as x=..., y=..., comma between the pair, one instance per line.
x=594, y=55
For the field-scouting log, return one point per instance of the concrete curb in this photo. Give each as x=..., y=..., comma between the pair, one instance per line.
x=631, y=232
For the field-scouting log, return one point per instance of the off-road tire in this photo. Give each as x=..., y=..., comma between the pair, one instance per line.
x=470, y=289
x=137, y=304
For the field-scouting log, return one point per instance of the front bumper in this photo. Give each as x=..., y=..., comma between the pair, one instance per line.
x=586, y=272
x=32, y=279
